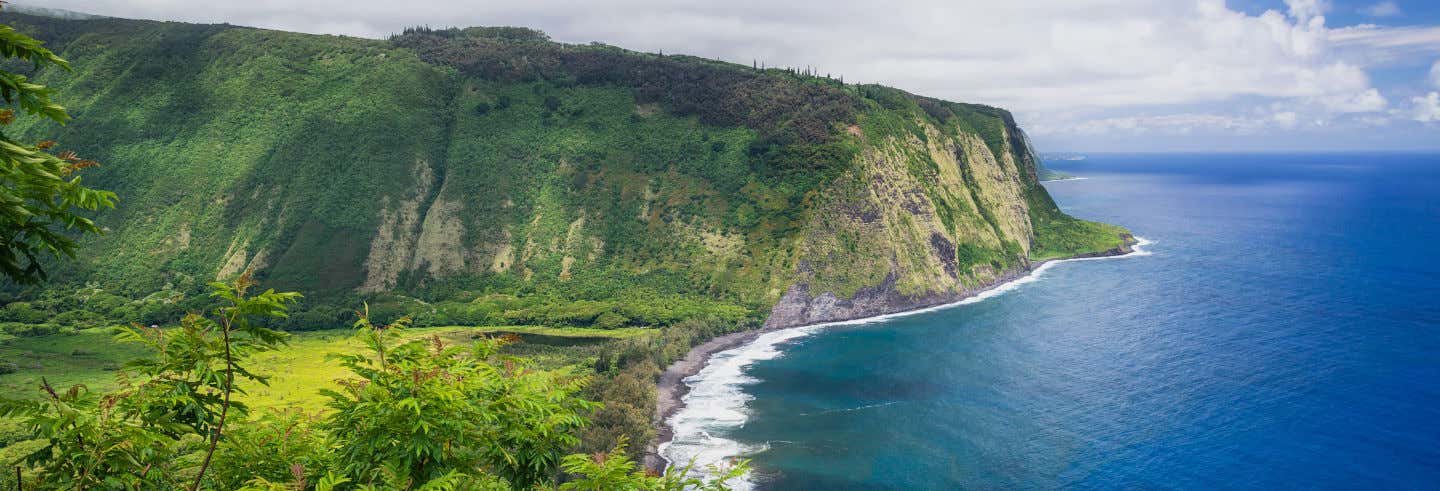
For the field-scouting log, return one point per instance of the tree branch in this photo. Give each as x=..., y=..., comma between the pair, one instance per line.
x=224, y=406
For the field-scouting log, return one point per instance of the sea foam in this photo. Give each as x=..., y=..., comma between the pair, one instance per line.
x=716, y=403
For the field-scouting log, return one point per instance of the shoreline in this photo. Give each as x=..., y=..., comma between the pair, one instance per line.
x=670, y=389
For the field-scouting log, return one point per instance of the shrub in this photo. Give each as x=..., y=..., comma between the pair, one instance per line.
x=30, y=330
x=80, y=319
x=23, y=312
x=160, y=313
x=181, y=401
x=610, y=320
x=279, y=446
x=422, y=411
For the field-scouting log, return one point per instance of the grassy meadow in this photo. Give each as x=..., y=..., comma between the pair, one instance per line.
x=92, y=357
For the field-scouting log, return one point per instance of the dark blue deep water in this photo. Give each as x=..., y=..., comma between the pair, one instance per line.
x=1285, y=333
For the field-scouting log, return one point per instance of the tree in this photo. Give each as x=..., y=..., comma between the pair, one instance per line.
x=39, y=192
x=421, y=410
x=132, y=438
x=419, y=415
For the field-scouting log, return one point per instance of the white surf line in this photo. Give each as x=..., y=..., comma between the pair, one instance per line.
x=716, y=401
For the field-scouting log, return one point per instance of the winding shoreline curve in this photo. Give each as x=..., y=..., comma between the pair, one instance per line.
x=671, y=387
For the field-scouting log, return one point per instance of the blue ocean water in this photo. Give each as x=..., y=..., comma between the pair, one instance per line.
x=1284, y=332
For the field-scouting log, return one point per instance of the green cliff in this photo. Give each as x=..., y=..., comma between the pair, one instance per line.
x=459, y=172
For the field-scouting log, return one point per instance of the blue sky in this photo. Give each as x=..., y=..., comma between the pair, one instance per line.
x=1080, y=75
x=1400, y=74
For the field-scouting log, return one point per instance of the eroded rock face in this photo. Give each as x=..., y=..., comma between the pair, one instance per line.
x=393, y=245
x=918, y=222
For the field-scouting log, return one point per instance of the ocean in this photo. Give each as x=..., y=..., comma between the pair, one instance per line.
x=1280, y=329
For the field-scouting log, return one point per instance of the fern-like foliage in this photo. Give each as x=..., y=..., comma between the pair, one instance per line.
x=39, y=192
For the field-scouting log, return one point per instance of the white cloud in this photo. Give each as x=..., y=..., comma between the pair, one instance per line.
x=1365, y=101
x=1374, y=46
x=1305, y=10
x=1372, y=38
x=1427, y=108
x=1179, y=124
x=1285, y=119
x=1364, y=109
x=1372, y=120
x=1387, y=8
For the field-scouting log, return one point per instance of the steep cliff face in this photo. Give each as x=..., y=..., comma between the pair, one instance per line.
x=936, y=209
x=491, y=159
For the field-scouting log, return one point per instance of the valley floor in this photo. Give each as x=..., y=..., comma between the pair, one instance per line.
x=91, y=358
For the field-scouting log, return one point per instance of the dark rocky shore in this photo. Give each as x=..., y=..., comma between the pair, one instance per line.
x=796, y=308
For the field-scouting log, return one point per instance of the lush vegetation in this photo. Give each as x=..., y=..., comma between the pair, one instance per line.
x=39, y=191
x=625, y=363
x=534, y=231
x=505, y=182
x=411, y=413
x=508, y=164
x=1058, y=235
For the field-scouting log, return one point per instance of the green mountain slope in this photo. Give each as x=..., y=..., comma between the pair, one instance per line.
x=456, y=165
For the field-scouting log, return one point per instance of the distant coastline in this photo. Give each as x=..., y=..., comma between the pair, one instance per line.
x=671, y=387
x=1047, y=174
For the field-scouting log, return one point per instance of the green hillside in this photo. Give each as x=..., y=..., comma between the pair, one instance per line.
x=607, y=209
x=490, y=176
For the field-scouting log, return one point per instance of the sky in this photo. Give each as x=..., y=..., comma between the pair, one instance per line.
x=1080, y=75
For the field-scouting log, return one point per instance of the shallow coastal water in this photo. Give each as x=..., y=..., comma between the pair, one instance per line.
x=1282, y=333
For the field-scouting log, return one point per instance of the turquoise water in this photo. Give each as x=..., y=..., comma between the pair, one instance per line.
x=1283, y=332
